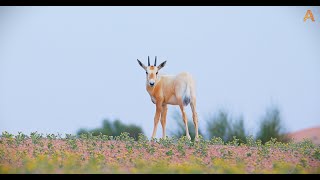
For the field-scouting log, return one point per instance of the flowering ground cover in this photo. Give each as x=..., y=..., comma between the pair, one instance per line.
x=51, y=153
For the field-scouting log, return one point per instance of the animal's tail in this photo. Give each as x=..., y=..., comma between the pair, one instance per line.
x=186, y=96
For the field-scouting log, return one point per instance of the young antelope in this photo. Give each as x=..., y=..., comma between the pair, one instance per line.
x=170, y=89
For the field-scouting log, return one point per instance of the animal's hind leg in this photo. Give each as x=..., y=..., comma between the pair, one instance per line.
x=185, y=120
x=180, y=89
x=194, y=117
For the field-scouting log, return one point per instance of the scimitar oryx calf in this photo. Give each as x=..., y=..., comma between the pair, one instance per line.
x=170, y=89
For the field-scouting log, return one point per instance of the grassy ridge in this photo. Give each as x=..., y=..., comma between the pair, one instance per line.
x=122, y=154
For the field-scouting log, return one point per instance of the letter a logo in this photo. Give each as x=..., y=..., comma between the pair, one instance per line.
x=308, y=15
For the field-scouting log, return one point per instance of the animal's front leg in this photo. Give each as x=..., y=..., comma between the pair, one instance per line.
x=163, y=120
x=156, y=118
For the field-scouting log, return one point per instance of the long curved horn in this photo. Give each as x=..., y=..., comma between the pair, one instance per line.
x=148, y=61
x=155, y=61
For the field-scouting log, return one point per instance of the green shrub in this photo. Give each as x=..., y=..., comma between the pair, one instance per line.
x=271, y=126
x=114, y=128
x=224, y=126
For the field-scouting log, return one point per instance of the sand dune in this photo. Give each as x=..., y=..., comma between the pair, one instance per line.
x=309, y=133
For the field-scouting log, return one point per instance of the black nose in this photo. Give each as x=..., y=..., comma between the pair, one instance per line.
x=152, y=83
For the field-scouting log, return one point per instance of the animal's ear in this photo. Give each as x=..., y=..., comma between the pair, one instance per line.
x=162, y=65
x=142, y=65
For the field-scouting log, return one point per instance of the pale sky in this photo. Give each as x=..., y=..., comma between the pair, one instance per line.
x=63, y=68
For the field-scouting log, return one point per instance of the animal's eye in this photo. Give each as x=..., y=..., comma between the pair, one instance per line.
x=146, y=72
x=157, y=73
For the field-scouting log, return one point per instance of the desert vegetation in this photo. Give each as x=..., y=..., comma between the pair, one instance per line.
x=222, y=124
x=114, y=128
x=225, y=146
x=36, y=153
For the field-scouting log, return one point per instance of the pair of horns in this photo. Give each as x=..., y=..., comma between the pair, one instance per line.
x=155, y=61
